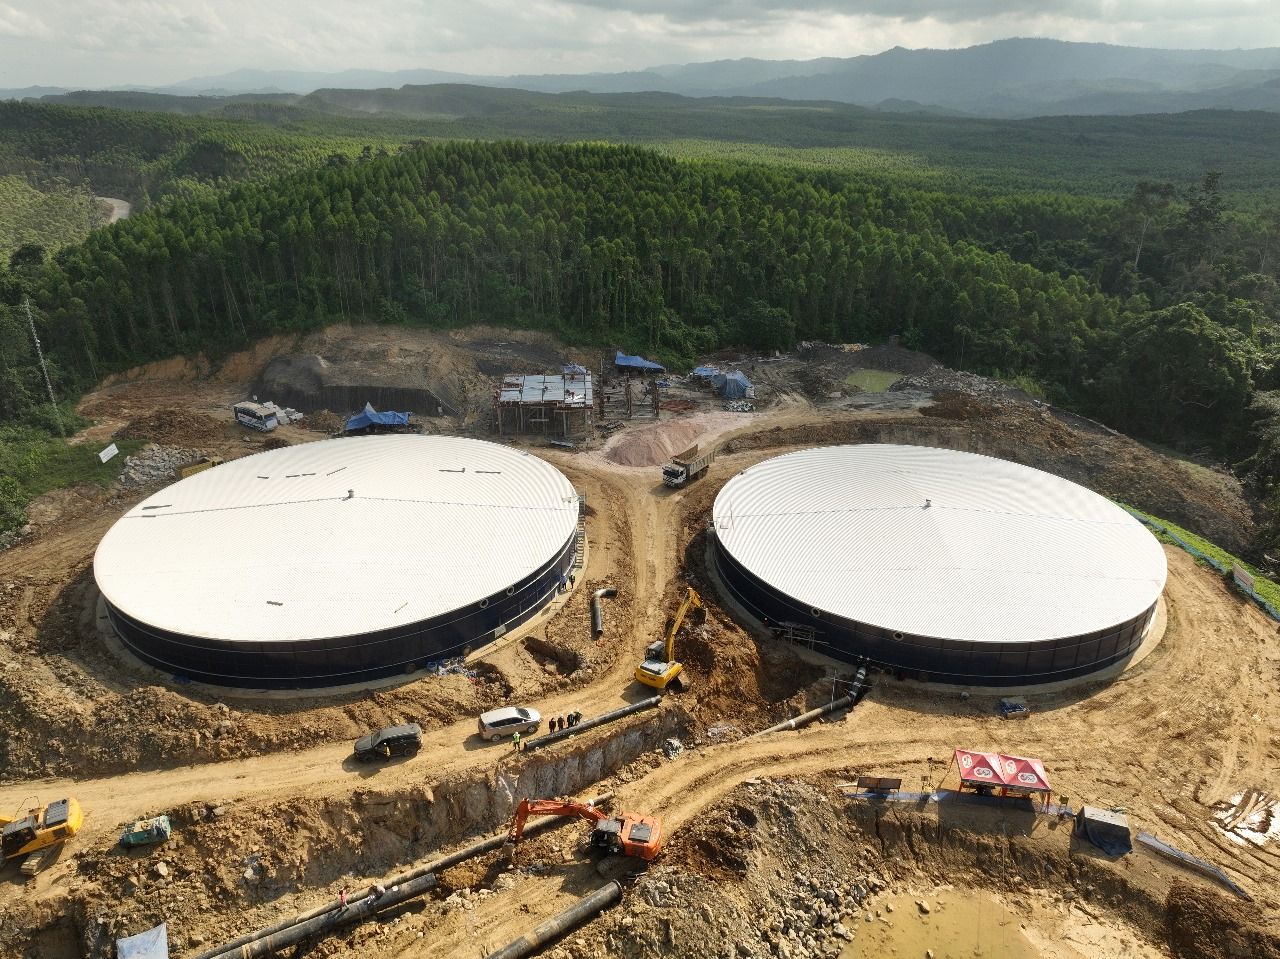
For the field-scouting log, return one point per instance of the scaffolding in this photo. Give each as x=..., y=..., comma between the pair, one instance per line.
x=560, y=404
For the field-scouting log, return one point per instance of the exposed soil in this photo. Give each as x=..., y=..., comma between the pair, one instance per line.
x=765, y=855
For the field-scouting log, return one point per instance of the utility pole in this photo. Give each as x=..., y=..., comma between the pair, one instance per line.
x=57, y=418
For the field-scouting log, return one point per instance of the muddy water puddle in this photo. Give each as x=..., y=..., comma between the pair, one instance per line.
x=959, y=924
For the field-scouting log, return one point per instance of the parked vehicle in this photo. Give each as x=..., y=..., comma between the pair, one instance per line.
x=145, y=832
x=403, y=740
x=1014, y=708
x=686, y=466
x=502, y=723
x=256, y=416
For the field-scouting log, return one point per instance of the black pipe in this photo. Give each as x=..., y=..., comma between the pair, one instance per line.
x=550, y=738
x=597, y=611
x=860, y=689
x=231, y=950
x=583, y=909
x=356, y=911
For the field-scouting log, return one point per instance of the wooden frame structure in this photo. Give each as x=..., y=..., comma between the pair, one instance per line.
x=560, y=404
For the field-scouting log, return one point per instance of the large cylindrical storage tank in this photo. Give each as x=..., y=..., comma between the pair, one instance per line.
x=950, y=566
x=338, y=561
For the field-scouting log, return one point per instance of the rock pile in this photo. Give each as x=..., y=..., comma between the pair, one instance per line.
x=940, y=378
x=156, y=464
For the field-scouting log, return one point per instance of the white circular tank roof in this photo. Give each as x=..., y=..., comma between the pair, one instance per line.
x=336, y=538
x=939, y=543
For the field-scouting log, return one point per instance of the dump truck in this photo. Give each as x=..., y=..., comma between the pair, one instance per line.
x=687, y=466
x=40, y=834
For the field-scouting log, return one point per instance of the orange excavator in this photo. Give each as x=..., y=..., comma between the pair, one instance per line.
x=627, y=834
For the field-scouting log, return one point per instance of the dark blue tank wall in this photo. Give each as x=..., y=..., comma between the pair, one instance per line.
x=345, y=659
x=936, y=660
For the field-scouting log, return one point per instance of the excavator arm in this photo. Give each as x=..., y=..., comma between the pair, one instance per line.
x=551, y=807
x=691, y=601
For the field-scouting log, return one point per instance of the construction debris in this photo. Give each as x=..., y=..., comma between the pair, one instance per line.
x=156, y=464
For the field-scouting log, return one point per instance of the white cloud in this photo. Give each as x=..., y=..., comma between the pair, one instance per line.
x=22, y=24
x=105, y=42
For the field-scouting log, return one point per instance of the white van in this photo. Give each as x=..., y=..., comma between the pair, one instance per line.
x=255, y=416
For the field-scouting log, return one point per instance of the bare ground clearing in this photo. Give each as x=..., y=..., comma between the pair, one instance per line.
x=755, y=824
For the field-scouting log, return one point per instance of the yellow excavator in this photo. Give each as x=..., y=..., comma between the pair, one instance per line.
x=40, y=834
x=660, y=669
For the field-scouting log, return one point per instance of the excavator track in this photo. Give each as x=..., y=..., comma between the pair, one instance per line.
x=31, y=865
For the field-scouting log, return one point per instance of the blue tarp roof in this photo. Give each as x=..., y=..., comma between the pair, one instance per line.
x=637, y=363
x=370, y=416
x=735, y=385
x=705, y=371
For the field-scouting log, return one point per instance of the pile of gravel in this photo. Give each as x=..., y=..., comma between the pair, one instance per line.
x=156, y=464
x=940, y=378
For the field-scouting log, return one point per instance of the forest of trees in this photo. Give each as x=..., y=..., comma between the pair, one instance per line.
x=1155, y=313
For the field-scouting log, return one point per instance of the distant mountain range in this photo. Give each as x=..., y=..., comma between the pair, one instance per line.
x=1009, y=78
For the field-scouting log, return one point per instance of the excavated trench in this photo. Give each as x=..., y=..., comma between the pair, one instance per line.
x=250, y=865
x=790, y=868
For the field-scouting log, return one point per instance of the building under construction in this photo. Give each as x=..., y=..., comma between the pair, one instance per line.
x=558, y=404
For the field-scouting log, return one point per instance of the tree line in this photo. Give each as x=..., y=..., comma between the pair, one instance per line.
x=1155, y=314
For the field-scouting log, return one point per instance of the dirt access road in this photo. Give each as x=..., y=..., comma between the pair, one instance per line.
x=1190, y=726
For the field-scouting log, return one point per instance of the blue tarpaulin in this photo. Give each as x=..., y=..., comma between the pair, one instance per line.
x=625, y=362
x=152, y=944
x=371, y=417
x=705, y=372
x=735, y=385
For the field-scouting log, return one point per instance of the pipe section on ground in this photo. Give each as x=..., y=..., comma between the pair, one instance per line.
x=552, y=738
x=575, y=915
x=355, y=911
x=233, y=949
x=860, y=689
x=597, y=611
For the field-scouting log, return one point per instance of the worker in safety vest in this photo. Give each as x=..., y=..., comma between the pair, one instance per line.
x=515, y=741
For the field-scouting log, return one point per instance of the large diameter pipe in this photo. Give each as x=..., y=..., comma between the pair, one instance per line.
x=353, y=912
x=805, y=719
x=579, y=912
x=586, y=724
x=860, y=689
x=231, y=950
x=597, y=611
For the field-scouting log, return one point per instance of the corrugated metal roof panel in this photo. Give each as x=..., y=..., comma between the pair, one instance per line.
x=939, y=543
x=567, y=389
x=347, y=536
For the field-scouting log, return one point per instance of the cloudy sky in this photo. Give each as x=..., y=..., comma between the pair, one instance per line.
x=105, y=42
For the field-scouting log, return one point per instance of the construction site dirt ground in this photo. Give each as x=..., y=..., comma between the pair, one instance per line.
x=765, y=855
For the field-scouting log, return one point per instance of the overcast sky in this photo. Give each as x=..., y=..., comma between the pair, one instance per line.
x=106, y=42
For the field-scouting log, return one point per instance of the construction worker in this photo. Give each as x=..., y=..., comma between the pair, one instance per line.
x=515, y=741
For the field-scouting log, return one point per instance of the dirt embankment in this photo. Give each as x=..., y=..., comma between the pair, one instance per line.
x=230, y=868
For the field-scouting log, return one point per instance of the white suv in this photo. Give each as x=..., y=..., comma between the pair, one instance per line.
x=502, y=723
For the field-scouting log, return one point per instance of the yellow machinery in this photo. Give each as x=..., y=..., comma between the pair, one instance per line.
x=660, y=668
x=207, y=463
x=40, y=833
